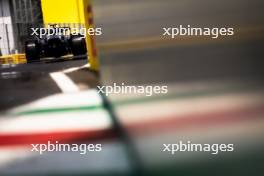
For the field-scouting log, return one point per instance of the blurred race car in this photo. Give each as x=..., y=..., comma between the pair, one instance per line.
x=54, y=46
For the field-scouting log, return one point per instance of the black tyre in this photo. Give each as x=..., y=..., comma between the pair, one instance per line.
x=32, y=50
x=78, y=45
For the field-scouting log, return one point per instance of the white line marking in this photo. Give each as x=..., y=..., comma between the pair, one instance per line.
x=64, y=82
x=69, y=70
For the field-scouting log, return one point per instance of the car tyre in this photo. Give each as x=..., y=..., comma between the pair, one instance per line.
x=32, y=50
x=78, y=45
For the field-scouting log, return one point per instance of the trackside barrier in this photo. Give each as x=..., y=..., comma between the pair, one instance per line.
x=13, y=59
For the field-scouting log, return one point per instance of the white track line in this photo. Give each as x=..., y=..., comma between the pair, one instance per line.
x=69, y=70
x=64, y=82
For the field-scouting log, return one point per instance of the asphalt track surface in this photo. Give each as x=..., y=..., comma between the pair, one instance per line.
x=24, y=83
x=133, y=49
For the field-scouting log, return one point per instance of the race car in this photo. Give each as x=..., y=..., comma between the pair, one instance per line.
x=54, y=46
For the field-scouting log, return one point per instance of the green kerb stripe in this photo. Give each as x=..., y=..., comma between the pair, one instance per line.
x=58, y=110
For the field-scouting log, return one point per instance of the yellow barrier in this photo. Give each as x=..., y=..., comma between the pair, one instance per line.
x=13, y=59
x=72, y=12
